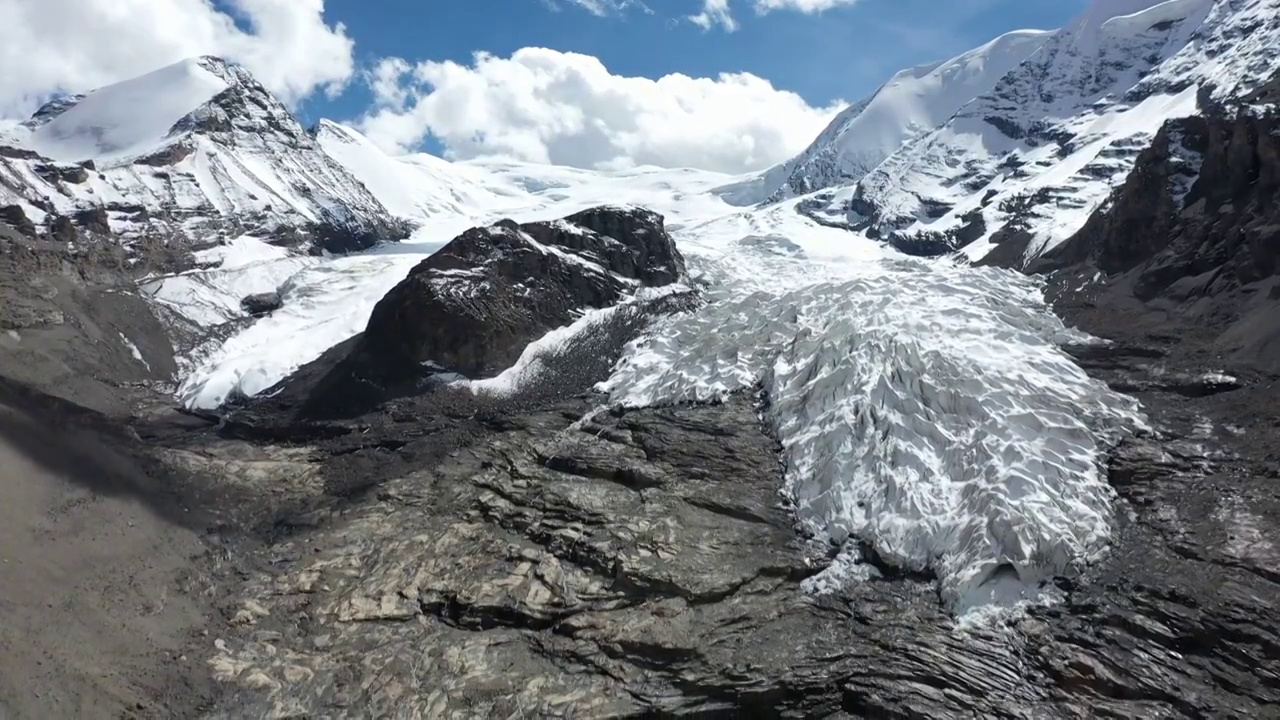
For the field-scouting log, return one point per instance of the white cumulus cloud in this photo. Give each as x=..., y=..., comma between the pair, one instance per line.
x=548, y=106
x=717, y=12
x=53, y=46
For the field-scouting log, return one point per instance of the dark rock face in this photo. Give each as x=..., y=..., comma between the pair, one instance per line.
x=474, y=305
x=17, y=153
x=73, y=323
x=94, y=220
x=340, y=236
x=52, y=109
x=63, y=229
x=170, y=155
x=14, y=216
x=74, y=174
x=261, y=303
x=1209, y=260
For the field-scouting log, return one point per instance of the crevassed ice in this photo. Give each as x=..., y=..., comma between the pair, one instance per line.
x=923, y=407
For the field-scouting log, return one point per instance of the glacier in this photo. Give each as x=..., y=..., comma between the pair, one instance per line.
x=925, y=407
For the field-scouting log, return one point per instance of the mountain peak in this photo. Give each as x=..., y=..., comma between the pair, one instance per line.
x=128, y=118
x=909, y=104
x=232, y=73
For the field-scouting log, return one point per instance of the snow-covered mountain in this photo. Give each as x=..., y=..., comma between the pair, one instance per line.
x=913, y=102
x=925, y=408
x=198, y=150
x=416, y=186
x=1018, y=168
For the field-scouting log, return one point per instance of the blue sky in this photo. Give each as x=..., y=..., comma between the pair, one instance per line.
x=841, y=53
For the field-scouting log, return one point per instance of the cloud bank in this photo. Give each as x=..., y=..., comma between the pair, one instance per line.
x=548, y=106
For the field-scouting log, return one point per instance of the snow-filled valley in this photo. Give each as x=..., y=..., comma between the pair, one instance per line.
x=924, y=406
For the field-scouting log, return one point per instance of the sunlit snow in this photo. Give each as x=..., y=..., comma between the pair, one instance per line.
x=111, y=122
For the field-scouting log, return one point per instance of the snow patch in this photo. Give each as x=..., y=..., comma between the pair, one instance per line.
x=133, y=350
x=532, y=365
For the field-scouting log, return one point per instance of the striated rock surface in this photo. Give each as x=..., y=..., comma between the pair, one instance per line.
x=555, y=561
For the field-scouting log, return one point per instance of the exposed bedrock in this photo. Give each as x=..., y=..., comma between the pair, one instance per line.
x=1189, y=244
x=472, y=307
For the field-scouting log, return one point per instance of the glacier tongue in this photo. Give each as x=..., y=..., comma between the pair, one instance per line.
x=924, y=408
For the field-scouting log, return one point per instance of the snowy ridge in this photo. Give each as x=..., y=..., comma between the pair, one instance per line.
x=1045, y=148
x=418, y=186
x=197, y=150
x=911, y=103
x=106, y=124
x=1019, y=168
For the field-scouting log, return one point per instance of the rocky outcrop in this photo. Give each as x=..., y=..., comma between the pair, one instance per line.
x=472, y=307
x=341, y=235
x=1193, y=235
x=261, y=303
x=94, y=220
x=15, y=217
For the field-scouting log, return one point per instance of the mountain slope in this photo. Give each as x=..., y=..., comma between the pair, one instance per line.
x=912, y=103
x=1020, y=168
x=198, y=150
x=1187, y=246
x=416, y=186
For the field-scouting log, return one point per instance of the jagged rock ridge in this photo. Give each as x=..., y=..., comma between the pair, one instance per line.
x=1194, y=231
